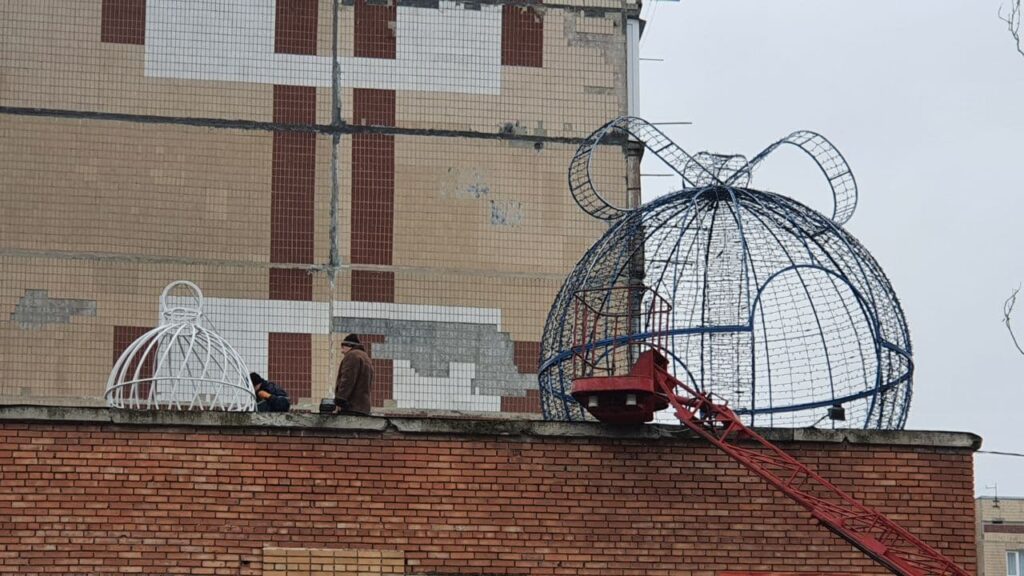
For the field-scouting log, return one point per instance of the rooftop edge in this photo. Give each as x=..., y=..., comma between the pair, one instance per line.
x=450, y=423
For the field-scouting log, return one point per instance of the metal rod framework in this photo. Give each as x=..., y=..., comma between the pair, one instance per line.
x=775, y=307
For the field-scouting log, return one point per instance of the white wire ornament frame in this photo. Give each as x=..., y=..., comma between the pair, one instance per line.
x=181, y=364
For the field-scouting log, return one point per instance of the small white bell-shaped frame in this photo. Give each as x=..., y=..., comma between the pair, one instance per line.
x=180, y=365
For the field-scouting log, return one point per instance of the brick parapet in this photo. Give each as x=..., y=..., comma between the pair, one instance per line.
x=93, y=491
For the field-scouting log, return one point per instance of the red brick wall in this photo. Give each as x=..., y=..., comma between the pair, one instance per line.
x=124, y=336
x=293, y=170
x=295, y=26
x=375, y=29
x=522, y=36
x=373, y=195
x=123, y=21
x=292, y=191
x=290, y=361
x=102, y=498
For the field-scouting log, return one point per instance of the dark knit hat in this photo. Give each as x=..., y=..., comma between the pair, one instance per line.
x=256, y=379
x=351, y=340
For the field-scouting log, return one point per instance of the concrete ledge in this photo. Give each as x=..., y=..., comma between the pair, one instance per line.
x=156, y=418
x=459, y=425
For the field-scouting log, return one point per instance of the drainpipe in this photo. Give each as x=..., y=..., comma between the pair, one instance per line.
x=634, y=152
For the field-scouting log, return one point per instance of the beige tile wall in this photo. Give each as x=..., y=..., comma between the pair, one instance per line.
x=992, y=546
x=130, y=188
x=332, y=562
x=74, y=358
x=111, y=211
x=580, y=87
x=55, y=60
x=491, y=205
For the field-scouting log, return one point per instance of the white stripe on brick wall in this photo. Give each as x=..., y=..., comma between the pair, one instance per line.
x=418, y=312
x=445, y=49
x=455, y=392
x=246, y=323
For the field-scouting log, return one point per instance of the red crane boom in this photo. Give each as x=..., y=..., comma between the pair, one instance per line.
x=649, y=387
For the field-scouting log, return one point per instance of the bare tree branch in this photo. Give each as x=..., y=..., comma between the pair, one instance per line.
x=1007, y=311
x=1012, y=19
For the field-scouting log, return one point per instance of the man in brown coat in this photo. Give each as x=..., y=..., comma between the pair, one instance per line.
x=355, y=377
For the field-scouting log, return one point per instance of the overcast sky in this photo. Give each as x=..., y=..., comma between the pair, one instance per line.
x=926, y=101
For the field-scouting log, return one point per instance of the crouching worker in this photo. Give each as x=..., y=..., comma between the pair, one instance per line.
x=269, y=396
x=355, y=377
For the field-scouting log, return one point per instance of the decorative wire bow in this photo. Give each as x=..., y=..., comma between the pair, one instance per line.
x=705, y=168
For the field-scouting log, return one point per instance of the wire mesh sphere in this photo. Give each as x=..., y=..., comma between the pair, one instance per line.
x=180, y=365
x=756, y=299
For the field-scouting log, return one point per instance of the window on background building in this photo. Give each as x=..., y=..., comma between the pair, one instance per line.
x=1015, y=563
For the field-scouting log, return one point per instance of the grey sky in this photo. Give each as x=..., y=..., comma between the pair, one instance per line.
x=926, y=101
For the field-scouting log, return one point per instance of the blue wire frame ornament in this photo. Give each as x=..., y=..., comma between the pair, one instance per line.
x=755, y=298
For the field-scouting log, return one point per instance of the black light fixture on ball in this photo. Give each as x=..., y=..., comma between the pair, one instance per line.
x=837, y=412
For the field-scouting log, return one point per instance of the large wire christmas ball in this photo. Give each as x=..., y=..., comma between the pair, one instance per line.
x=768, y=305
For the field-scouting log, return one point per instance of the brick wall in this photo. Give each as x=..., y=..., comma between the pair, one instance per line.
x=160, y=496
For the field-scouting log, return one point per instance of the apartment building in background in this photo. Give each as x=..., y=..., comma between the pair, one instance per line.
x=1000, y=535
x=318, y=167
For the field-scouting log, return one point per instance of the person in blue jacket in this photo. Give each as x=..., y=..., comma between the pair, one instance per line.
x=269, y=396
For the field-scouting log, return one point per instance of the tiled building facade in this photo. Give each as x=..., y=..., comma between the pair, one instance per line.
x=395, y=169
x=1000, y=534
